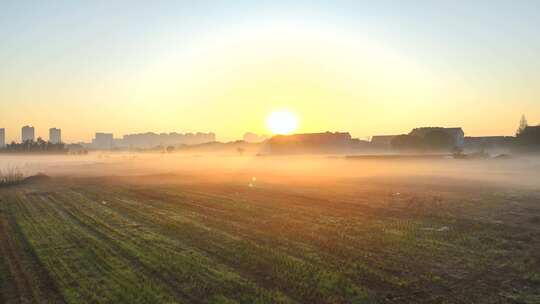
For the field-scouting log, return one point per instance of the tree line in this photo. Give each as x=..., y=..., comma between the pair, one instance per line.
x=37, y=146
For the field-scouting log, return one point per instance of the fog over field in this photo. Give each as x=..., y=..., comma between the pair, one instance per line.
x=519, y=171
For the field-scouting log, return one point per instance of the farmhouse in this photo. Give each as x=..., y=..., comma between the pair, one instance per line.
x=310, y=142
x=489, y=142
x=457, y=134
x=382, y=141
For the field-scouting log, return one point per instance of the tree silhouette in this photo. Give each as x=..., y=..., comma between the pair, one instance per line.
x=38, y=146
x=522, y=125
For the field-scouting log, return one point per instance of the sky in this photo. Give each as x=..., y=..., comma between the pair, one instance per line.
x=366, y=67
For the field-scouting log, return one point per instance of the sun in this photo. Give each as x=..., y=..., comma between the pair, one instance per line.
x=282, y=122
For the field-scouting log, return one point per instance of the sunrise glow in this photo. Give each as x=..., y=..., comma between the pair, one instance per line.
x=282, y=122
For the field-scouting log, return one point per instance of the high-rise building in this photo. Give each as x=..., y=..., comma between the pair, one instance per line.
x=2, y=137
x=103, y=141
x=55, y=135
x=27, y=133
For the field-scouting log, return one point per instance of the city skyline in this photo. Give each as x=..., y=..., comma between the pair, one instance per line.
x=28, y=132
x=352, y=66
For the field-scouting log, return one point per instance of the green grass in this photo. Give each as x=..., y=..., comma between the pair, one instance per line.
x=103, y=241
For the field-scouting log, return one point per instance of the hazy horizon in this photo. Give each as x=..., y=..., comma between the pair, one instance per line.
x=437, y=212
x=215, y=66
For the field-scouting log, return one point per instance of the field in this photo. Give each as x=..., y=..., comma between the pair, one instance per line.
x=173, y=238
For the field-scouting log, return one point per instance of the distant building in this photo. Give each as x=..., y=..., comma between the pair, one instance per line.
x=489, y=142
x=254, y=138
x=359, y=144
x=457, y=134
x=327, y=142
x=119, y=143
x=529, y=137
x=2, y=137
x=103, y=141
x=152, y=140
x=382, y=141
x=55, y=135
x=27, y=133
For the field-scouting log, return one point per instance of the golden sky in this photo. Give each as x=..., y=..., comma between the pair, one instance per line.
x=227, y=78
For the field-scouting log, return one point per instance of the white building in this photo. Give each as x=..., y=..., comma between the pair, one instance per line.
x=55, y=135
x=2, y=137
x=103, y=141
x=27, y=133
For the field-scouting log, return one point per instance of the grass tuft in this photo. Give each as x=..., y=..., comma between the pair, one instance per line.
x=11, y=176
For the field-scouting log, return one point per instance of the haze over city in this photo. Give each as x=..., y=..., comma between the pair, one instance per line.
x=224, y=67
